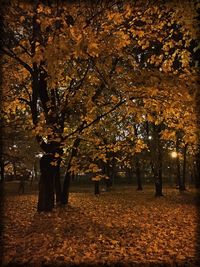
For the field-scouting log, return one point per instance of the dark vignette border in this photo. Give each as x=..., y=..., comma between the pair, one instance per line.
x=114, y=264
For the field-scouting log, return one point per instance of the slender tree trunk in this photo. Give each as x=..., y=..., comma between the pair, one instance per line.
x=197, y=172
x=183, y=188
x=178, y=173
x=67, y=179
x=156, y=163
x=66, y=186
x=158, y=178
x=109, y=175
x=109, y=171
x=35, y=172
x=113, y=174
x=14, y=170
x=128, y=175
x=137, y=164
x=138, y=174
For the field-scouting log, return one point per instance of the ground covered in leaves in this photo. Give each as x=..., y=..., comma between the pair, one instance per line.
x=119, y=226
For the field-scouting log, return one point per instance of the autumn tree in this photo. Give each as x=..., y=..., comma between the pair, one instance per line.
x=75, y=63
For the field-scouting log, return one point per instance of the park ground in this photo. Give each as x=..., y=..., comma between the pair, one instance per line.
x=123, y=226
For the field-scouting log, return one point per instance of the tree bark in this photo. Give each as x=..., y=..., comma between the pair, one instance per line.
x=108, y=172
x=138, y=174
x=197, y=172
x=137, y=165
x=2, y=171
x=67, y=179
x=178, y=167
x=156, y=163
x=46, y=184
x=65, y=191
x=58, y=189
x=183, y=187
x=96, y=188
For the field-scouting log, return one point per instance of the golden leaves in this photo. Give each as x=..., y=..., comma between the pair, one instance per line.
x=168, y=134
x=93, y=168
x=123, y=39
x=116, y=226
x=139, y=145
x=93, y=49
x=117, y=18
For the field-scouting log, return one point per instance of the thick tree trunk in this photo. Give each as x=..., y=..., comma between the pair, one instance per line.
x=58, y=186
x=158, y=186
x=2, y=172
x=108, y=184
x=65, y=191
x=1, y=147
x=46, y=184
x=138, y=174
x=96, y=188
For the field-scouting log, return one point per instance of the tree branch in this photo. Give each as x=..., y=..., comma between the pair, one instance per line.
x=21, y=62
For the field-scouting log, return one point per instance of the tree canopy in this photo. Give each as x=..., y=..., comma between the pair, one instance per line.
x=86, y=77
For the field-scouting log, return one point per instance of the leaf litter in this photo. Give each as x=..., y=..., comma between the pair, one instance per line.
x=124, y=226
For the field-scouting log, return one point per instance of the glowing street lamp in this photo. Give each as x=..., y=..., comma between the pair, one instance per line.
x=174, y=154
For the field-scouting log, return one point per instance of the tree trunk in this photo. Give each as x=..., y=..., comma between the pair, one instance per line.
x=58, y=186
x=46, y=184
x=138, y=174
x=1, y=150
x=183, y=188
x=197, y=172
x=158, y=176
x=178, y=173
x=108, y=173
x=2, y=171
x=14, y=171
x=96, y=188
x=128, y=175
x=156, y=163
x=35, y=172
x=158, y=183
x=65, y=191
x=137, y=163
x=158, y=186
x=21, y=188
x=67, y=179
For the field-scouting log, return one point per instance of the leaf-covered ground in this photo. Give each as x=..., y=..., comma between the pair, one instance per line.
x=122, y=226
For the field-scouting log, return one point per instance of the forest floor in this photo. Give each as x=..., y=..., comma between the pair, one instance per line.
x=122, y=226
